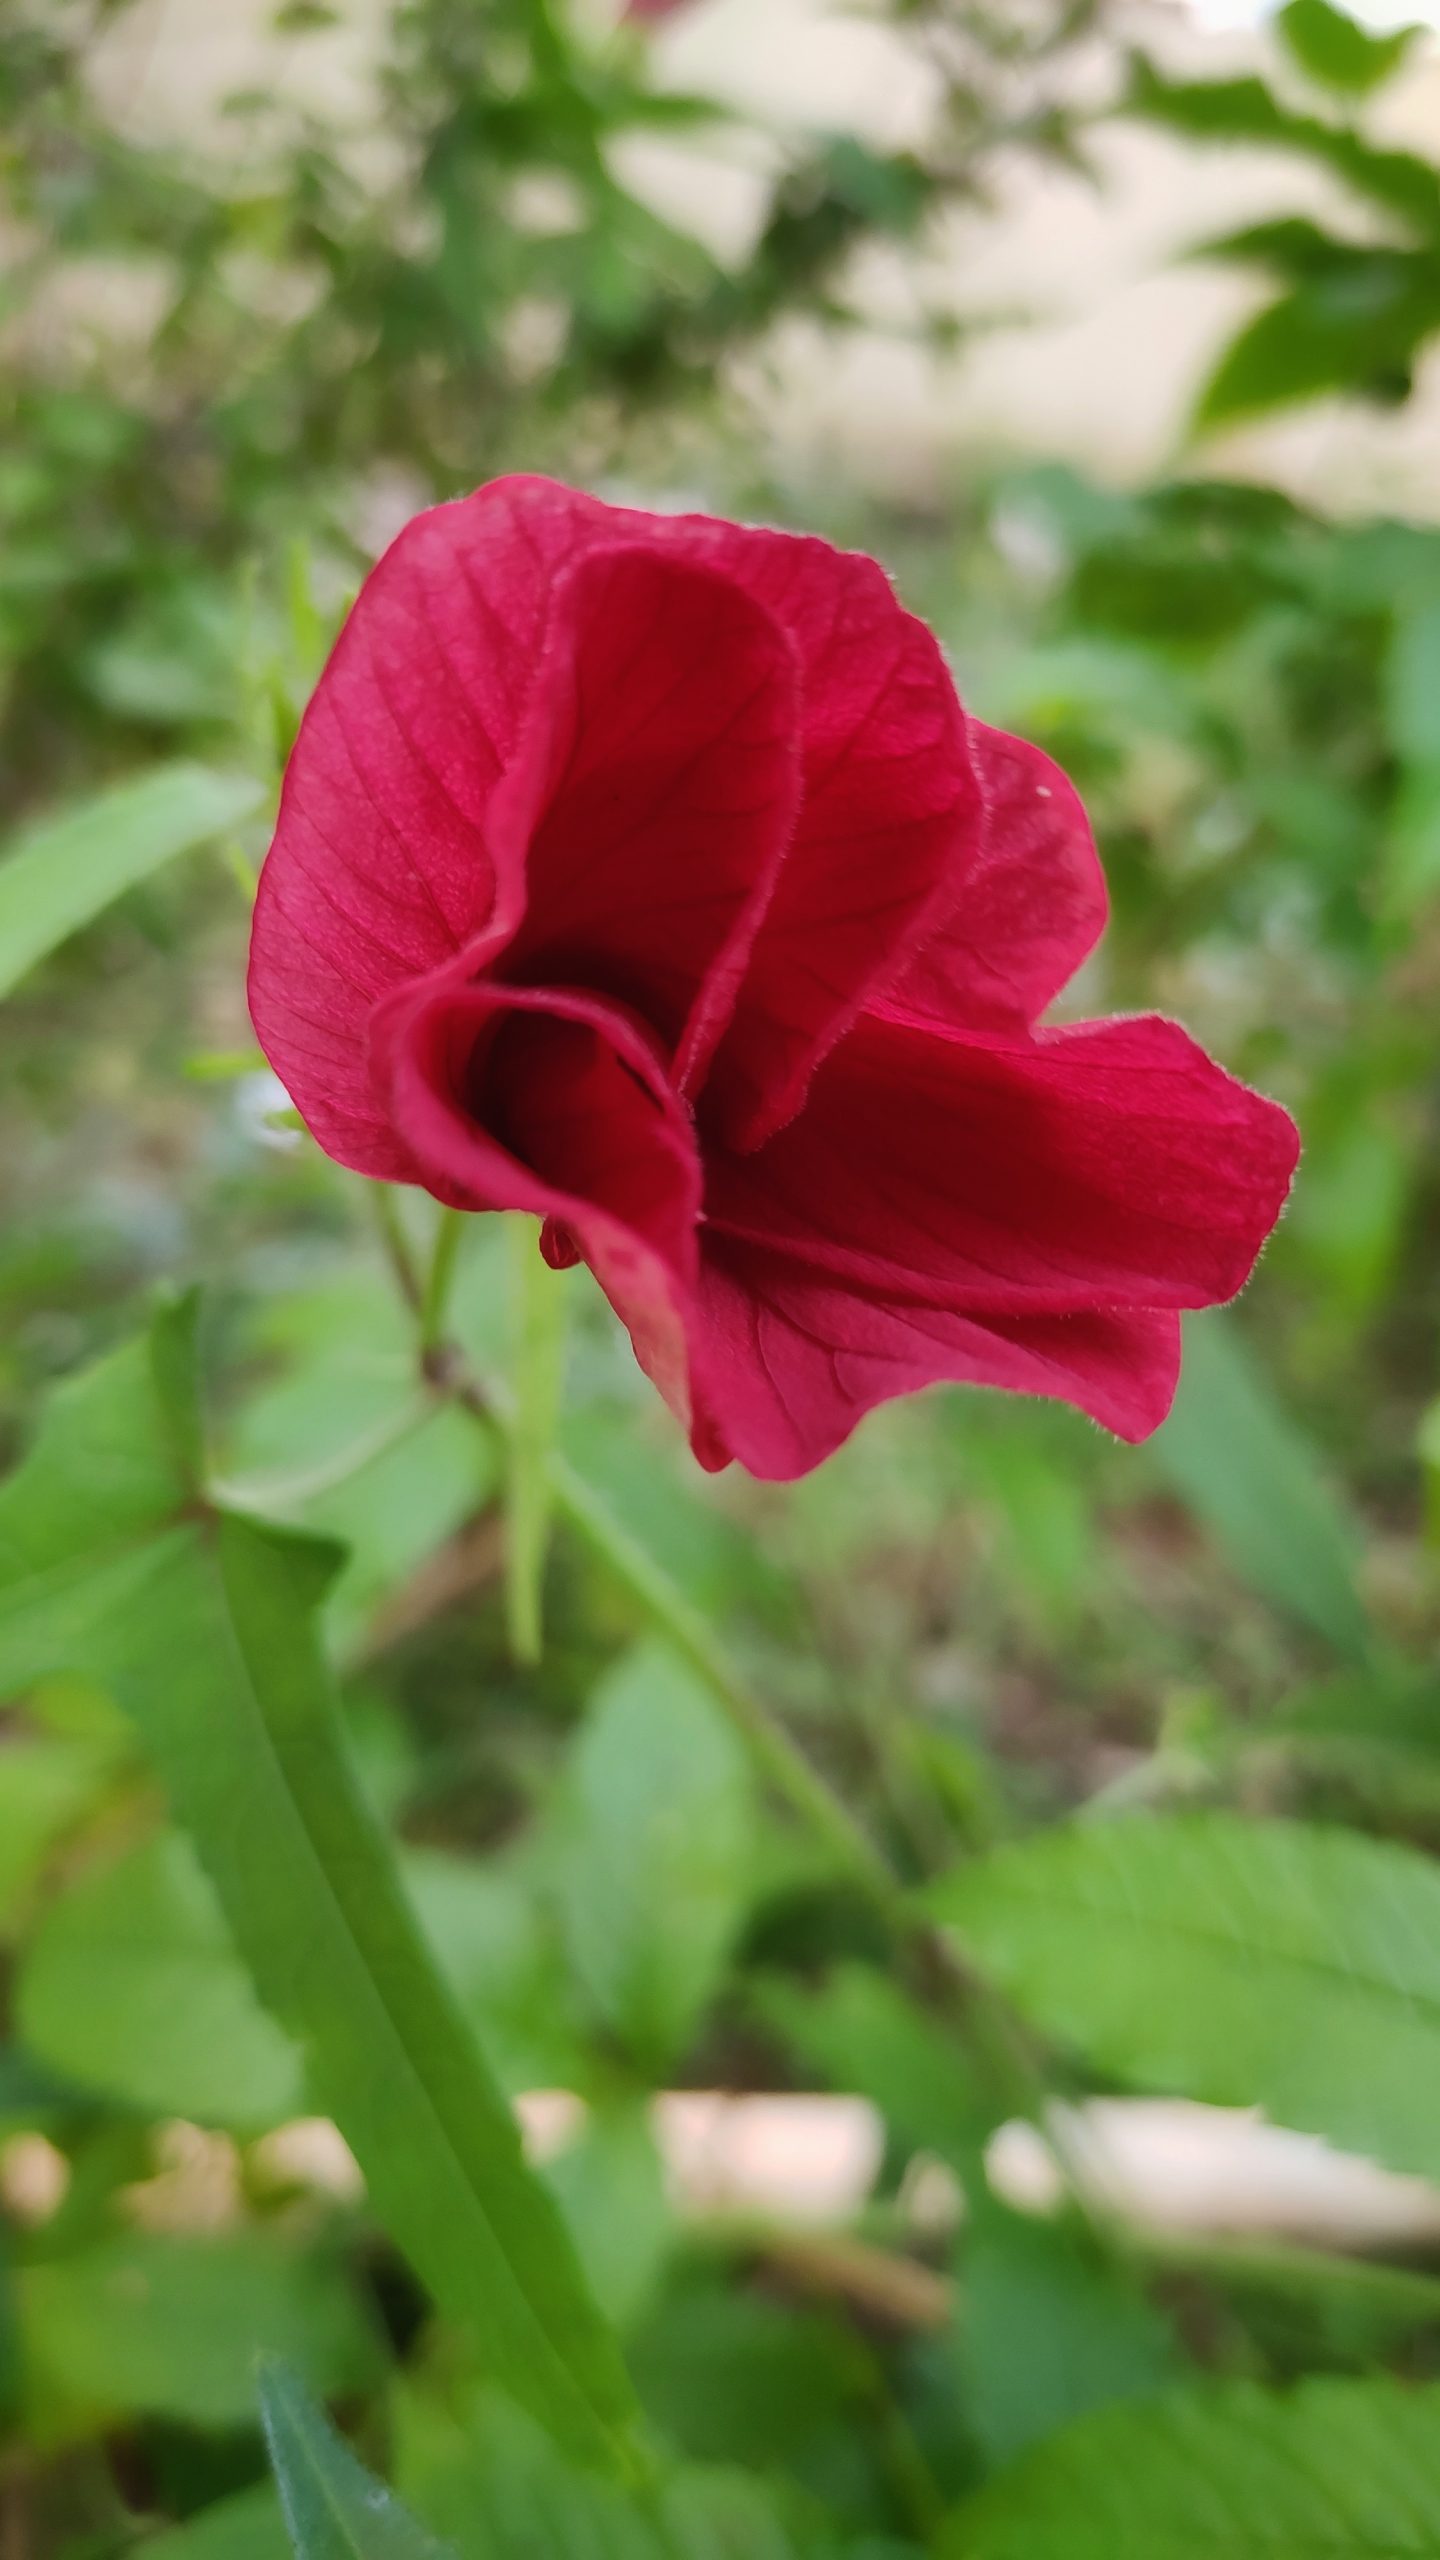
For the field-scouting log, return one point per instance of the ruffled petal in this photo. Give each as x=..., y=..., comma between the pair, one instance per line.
x=403, y=829
x=1108, y=1165
x=1024, y=917
x=545, y=716
x=385, y=860
x=891, y=809
x=788, y=1361
x=556, y=1103
x=659, y=773
x=890, y=819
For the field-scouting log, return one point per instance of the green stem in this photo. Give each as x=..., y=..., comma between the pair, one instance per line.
x=789, y=1771
x=1291, y=2266
x=666, y=1606
x=692, y=1636
x=396, y=1245
x=435, y=1295
x=538, y=1313
x=954, y=1988
x=996, y=2037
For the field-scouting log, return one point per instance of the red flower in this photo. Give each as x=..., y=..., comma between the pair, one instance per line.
x=644, y=872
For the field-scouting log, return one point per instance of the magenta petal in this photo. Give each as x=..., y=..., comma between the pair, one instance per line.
x=540, y=708
x=891, y=809
x=890, y=817
x=1025, y=917
x=555, y=1103
x=661, y=763
x=612, y=841
x=787, y=1362
x=384, y=861
x=1109, y=1165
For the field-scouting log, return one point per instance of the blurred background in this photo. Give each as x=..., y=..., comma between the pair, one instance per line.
x=1113, y=327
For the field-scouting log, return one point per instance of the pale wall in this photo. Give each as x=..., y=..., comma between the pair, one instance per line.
x=1101, y=333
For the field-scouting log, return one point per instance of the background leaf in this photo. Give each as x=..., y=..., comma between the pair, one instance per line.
x=1245, y=110
x=171, y=2325
x=132, y=1986
x=246, y=2526
x=1327, y=43
x=66, y=871
x=1246, y=1470
x=48, y=1783
x=334, y=2509
x=1049, y=2329
x=653, y=1851
x=1351, y=2469
x=1357, y=328
x=1252, y=1963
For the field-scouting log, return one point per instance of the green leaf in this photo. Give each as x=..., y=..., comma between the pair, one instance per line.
x=1412, y=683
x=1356, y=329
x=1244, y=110
x=611, y=2189
x=498, y=2489
x=1333, y=49
x=737, y=2378
x=334, y=2508
x=167, y=2326
x=652, y=1870
x=1292, y=248
x=202, y=1623
x=1412, y=854
x=1236, y=1458
x=1252, y=1964
x=1428, y=1440
x=1048, y=2330
x=861, y=2032
x=1349, y=2469
x=132, y=1986
x=66, y=872
x=247, y=2526
x=494, y=1939
x=338, y=1440
x=718, y=2514
x=47, y=1785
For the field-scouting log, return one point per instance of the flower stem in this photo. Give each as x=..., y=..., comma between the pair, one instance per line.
x=952, y=1987
x=538, y=1309
x=435, y=1296
x=793, y=1776
x=395, y=1243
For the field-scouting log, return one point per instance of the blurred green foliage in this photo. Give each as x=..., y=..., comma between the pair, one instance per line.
x=1155, y=1733
x=1353, y=313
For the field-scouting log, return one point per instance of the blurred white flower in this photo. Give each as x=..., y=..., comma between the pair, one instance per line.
x=259, y=1100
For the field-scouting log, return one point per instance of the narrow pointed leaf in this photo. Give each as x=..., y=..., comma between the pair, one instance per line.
x=65, y=872
x=200, y=1621
x=334, y=2508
